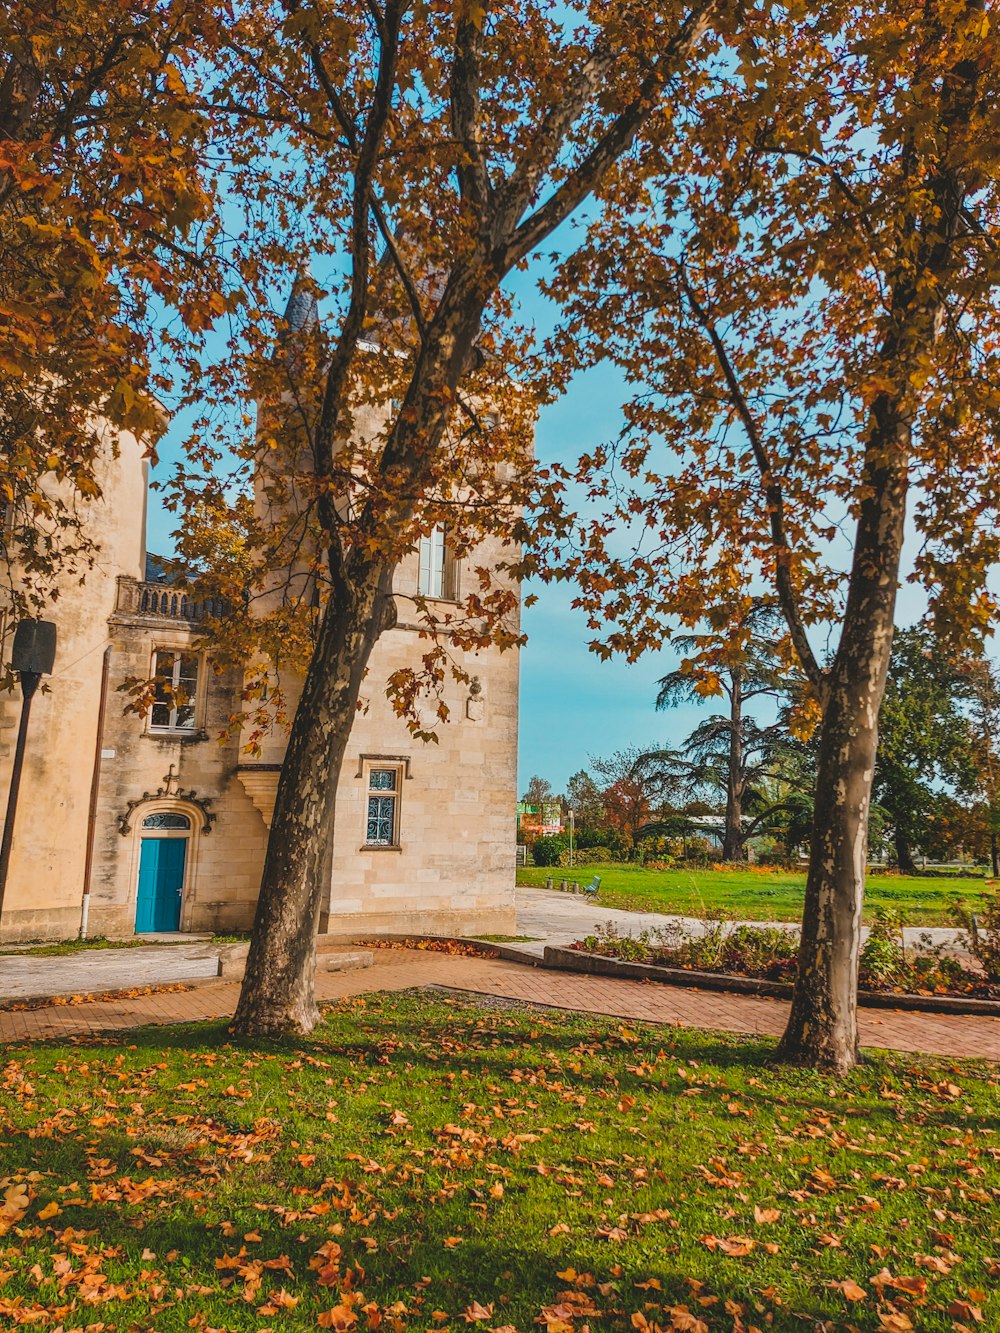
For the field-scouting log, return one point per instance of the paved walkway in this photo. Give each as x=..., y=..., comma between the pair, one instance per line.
x=91, y=970
x=550, y=916
x=403, y=969
x=561, y=918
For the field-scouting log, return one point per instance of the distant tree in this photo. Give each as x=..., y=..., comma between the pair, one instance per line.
x=923, y=738
x=981, y=686
x=741, y=661
x=764, y=774
x=638, y=785
x=957, y=827
x=583, y=797
x=538, y=791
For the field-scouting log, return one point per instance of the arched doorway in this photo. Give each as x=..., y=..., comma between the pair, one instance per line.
x=162, y=860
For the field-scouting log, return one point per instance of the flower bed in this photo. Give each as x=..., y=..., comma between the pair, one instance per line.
x=770, y=953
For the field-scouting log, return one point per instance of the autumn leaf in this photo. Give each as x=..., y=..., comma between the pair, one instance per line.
x=476, y=1313
x=850, y=1290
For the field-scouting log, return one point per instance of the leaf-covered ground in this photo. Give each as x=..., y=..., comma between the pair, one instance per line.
x=427, y=1163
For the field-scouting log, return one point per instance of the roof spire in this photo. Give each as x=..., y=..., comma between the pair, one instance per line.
x=301, y=312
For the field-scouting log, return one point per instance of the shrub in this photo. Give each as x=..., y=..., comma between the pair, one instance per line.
x=771, y=952
x=593, y=856
x=547, y=851
x=883, y=957
x=776, y=858
x=982, y=935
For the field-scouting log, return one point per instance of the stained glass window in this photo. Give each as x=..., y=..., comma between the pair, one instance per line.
x=164, y=819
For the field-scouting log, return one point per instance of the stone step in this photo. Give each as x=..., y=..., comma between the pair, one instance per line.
x=233, y=958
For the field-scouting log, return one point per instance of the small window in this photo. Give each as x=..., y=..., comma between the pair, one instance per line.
x=163, y=819
x=438, y=575
x=383, y=807
x=176, y=687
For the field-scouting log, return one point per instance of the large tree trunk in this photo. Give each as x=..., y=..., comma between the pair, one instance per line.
x=732, y=843
x=278, y=994
x=904, y=857
x=822, y=1027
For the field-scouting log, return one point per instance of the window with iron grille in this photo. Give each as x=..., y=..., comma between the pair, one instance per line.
x=383, y=807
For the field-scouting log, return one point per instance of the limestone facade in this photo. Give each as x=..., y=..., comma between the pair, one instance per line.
x=99, y=786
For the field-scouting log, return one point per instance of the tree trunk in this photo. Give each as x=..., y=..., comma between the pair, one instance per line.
x=994, y=854
x=822, y=1025
x=278, y=994
x=904, y=857
x=822, y=1029
x=732, y=843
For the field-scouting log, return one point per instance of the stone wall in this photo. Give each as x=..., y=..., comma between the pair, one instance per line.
x=146, y=772
x=46, y=878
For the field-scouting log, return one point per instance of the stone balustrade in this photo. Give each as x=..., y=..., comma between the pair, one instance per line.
x=164, y=602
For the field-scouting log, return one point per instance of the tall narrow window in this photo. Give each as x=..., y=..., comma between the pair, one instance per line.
x=383, y=807
x=176, y=687
x=438, y=575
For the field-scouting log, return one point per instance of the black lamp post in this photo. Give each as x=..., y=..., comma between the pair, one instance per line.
x=32, y=656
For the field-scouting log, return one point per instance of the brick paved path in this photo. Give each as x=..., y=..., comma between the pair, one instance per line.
x=401, y=969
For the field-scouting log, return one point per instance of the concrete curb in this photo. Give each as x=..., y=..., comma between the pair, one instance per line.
x=231, y=967
x=486, y=948
x=572, y=960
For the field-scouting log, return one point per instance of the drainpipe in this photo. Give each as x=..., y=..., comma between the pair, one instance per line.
x=95, y=784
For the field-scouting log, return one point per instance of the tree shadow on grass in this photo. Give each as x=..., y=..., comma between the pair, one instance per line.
x=489, y=1043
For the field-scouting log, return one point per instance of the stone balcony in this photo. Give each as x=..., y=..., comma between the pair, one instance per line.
x=161, y=601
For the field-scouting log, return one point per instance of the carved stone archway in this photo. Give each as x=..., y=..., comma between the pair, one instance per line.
x=170, y=791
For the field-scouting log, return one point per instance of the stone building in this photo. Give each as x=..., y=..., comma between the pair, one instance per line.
x=153, y=824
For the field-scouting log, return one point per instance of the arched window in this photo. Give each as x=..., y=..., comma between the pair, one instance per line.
x=164, y=819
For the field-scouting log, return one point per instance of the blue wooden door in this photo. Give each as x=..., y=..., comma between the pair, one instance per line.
x=161, y=878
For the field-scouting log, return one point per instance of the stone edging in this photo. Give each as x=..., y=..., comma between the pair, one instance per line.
x=573, y=960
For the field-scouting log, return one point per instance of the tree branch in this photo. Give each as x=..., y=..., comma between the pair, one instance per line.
x=466, y=115
x=335, y=390
x=349, y=130
x=582, y=180
x=772, y=493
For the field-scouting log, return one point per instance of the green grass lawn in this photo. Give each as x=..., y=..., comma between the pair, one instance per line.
x=429, y=1164
x=758, y=895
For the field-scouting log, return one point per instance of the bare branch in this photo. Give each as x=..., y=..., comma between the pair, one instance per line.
x=349, y=130
x=772, y=493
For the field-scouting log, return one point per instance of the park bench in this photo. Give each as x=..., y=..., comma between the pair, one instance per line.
x=592, y=888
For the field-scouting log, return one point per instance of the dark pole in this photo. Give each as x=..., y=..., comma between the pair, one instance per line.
x=29, y=684
x=32, y=656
